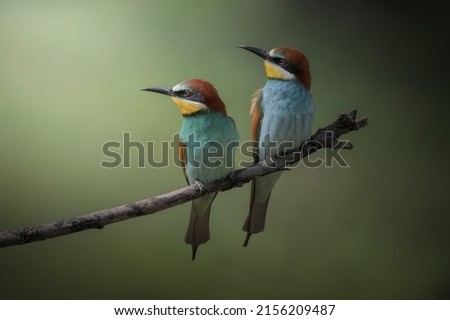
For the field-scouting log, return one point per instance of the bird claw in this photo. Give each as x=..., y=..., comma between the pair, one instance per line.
x=270, y=162
x=200, y=185
x=233, y=178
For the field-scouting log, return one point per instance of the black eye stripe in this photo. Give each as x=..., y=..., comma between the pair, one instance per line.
x=183, y=93
x=286, y=64
x=280, y=61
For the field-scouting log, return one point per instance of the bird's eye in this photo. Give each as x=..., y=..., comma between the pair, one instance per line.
x=282, y=62
x=185, y=93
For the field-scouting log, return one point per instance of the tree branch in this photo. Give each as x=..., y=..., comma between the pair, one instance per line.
x=323, y=138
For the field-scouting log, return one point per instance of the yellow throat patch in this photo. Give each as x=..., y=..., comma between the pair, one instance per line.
x=276, y=72
x=188, y=107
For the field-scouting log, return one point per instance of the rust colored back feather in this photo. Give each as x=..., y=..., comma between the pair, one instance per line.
x=256, y=116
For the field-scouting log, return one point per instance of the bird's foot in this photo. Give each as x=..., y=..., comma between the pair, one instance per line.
x=200, y=185
x=235, y=179
x=270, y=162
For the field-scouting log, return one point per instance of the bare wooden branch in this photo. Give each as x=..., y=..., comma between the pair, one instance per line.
x=323, y=138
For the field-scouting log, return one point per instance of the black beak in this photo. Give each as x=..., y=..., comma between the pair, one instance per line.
x=163, y=90
x=259, y=52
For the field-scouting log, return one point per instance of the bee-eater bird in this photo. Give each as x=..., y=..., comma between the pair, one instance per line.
x=282, y=113
x=207, y=139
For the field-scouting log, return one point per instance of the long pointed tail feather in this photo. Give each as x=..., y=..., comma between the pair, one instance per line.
x=247, y=238
x=198, y=229
x=256, y=218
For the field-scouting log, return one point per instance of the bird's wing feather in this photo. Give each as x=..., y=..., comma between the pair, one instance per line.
x=256, y=217
x=182, y=157
x=256, y=117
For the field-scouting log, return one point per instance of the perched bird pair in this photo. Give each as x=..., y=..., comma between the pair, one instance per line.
x=282, y=113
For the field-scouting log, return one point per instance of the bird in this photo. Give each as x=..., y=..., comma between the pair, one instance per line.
x=208, y=137
x=282, y=115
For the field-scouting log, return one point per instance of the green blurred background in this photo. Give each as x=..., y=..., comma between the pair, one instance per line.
x=69, y=78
